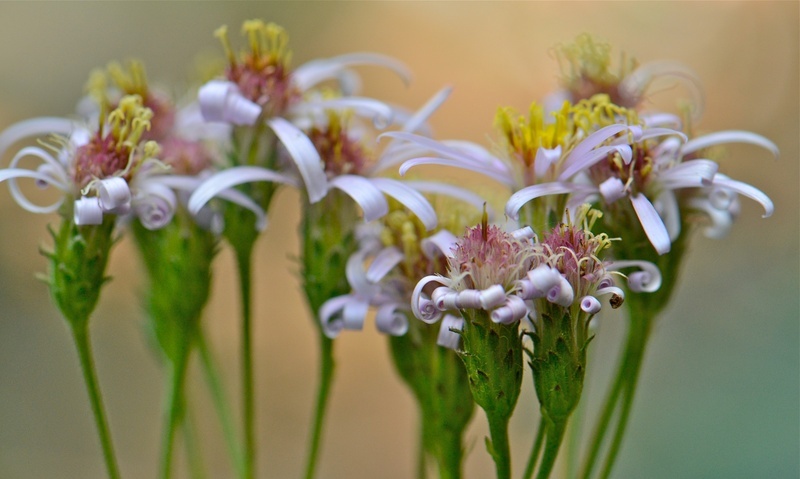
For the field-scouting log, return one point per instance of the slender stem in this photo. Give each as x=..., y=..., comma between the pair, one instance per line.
x=631, y=380
x=501, y=451
x=174, y=408
x=422, y=447
x=555, y=434
x=326, y=369
x=221, y=404
x=243, y=263
x=193, y=455
x=80, y=334
x=536, y=450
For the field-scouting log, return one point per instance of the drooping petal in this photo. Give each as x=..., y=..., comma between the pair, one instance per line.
x=590, y=158
x=304, y=155
x=229, y=178
x=35, y=127
x=529, y=193
x=651, y=223
x=729, y=136
x=381, y=114
x=664, y=120
x=421, y=116
x=647, y=280
x=316, y=71
x=383, y=263
x=410, y=198
x=467, y=196
x=363, y=192
x=439, y=243
x=391, y=319
x=499, y=176
x=447, y=337
x=749, y=191
x=689, y=174
x=669, y=211
x=591, y=141
x=357, y=275
x=330, y=315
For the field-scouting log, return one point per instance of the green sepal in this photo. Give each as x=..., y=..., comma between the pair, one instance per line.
x=438, y=380
x=77, y=264
x=177, y=259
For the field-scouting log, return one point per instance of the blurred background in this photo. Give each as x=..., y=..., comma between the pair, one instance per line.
x=719, y=395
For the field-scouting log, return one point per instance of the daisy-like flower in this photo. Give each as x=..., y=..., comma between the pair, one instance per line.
x=260, y=87
x=108, y=170
x=662, y=162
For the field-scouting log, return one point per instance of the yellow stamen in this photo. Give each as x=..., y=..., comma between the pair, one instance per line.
x=222, y=34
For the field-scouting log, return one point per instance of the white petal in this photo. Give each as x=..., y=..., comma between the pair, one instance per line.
x=447, y=338
x=729, y=136
x=421, y=116
x=222, y=101
x=113, y=192
x=499, y=176
x=590, y=158
x=316, y=71
x=651, y=223
x=511, y=311
x=439, y=243
x=382, y=114
x=562, y=294
x=155, y=205
x=354, y=314
x=612, y=189
x=409, y=198
x=35, y=127
x=689, y=174
x=647, y=280
x=383, y=263
x=749, y=191
x=357, y=275
x=421, y=305
x=305, y=157
x=635, y=84
x=667, y=206
x=11, y=174
x=518, y=199
x=229, y=178
x=666, y=120
x=721, y=220
x=392, y=320
x=590, y=304
x=330, y=315
x=463, y=194
x=87, y=211
x=591, y=141
x=363, y=192
x=544, y=158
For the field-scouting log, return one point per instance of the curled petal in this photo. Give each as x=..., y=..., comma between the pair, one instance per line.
x=590, y=304
x=11, y=174
x=749, y=191
x=422, y=307
x=518, y=199
x=444, y=298
x=469, y=299
x=612, y=189
x=492, y=296
x=410, y=198
x=617, y=295
x=651, y=223
x=304, y=155
x=156, y=206
x=354, y=314
x=357, y=275
x=113, y=192
x=392, y=320
x=88, y=211
x=721, y=219
x=542, y=278
x=729, y=136
x=440, y=243
x=647, y=280
x=447, y=337
x=562, y=294
x=383, y=262
x=221, y=101
x=525, y=233
x=229, y=178
x=511, y=311
x=330, y=315
x=363, y=192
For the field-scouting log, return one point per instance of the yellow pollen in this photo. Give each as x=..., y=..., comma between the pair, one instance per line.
x=525, y=137
x=129, y=120
x=599, y=111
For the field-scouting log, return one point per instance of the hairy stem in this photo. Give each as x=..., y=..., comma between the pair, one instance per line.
x=327, y=366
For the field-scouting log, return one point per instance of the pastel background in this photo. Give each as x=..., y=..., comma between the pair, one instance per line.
x=719, y=392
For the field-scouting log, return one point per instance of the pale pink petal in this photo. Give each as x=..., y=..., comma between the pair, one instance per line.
x=409, y=198
x=421, y=304
x=87, y=211
x=749, y=191
x=463, y=194
x=11, y=174
x=590, y=158
x=391, y=319
x=363, y=192
x=447, y=337
x=35, y=127
x=305, y=157
x=647, y=279
x=521, y=197
x=316, y=71
x=729, y=136
x=229, y=178
x=383, y=263
x=439, y=243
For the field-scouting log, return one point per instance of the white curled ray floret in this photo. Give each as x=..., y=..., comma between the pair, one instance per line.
x=373, y=286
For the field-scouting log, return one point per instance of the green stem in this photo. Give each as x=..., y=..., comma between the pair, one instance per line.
x=422, y=447
x=555, y=435
x=536, y=450
x=243, y=263
x=193, y=455
x=631, y=380
x=80, y=334
x=174, y=409
x=221, y=404
x=326, y=369
x=501, y=450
